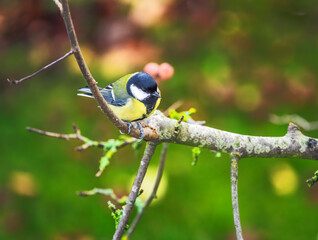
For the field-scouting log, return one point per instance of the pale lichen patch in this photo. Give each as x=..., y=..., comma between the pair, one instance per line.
x=249, y=148
x=168, y=135
x=276, y=143
x=184, y=138
x=209, y=141
x=284, y=144
x=267, y=149
x=202, y=142
x=237, y=144
x=258, y=149
x=220, y=144
x=303, y=145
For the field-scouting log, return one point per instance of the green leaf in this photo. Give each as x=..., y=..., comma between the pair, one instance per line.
x=195, y=155
x=116, y=213
x=311, y=181
x=186, y=114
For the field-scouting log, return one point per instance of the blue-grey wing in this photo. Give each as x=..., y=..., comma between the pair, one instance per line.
x=108, y=94
x=116, y=97
x=112, y=98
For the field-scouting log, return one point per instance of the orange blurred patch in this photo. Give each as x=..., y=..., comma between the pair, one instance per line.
x=147, y=13
x=298, y=92
x=1, y=22
x=126, y=57
x=22, y=183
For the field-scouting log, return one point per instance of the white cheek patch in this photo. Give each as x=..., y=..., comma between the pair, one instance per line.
x=138, y=93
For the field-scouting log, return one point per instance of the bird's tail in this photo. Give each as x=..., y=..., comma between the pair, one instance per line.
x=85, y=92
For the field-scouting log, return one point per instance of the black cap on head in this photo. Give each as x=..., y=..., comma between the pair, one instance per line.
x=143, y=81
x=143, y=87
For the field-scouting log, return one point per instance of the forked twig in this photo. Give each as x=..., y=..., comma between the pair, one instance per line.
x=149, y=151
x=154, y=191
x=77, y=135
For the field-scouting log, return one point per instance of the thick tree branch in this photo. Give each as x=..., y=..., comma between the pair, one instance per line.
x=154, y=191
x=293, y=145
x=235, y=204
x=149, y=151
x=149, y=134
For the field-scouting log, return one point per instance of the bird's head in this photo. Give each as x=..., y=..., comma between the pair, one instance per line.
x=143, y=87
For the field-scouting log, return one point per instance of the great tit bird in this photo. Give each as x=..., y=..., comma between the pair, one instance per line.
x=132, y=98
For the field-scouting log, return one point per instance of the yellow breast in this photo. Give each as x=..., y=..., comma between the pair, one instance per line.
x=133, y=110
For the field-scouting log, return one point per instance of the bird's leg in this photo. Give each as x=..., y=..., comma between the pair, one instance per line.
x=142, y=133
x=129, y=127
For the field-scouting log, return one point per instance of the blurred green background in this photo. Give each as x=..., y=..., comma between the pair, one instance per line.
x=236, y=62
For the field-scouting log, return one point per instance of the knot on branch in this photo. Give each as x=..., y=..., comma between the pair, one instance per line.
x=293, y=131
x=293, y=128
x=12, y=81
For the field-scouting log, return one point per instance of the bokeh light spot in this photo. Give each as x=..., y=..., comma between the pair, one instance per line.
x=284, y=179
x=22, y=183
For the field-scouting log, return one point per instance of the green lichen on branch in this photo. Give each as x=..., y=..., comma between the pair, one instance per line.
x=196, y=151
x=116, y=214
x=121, y=201
x=311, y=181
x=110, y=147
x=186, y=115
x=292, y=145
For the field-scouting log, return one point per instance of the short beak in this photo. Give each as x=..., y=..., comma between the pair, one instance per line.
x=157, y=94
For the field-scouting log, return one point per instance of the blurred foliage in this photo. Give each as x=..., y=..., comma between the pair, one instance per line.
x=236, y=62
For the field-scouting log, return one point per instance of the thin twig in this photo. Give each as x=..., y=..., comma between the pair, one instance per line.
x=77, y=135
x=43, y=68
x=181, y=119
x=235, y=205
x=53, y=134
x=150, y=149
x=92, y=84
x=107, y=192
x=154, y=191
